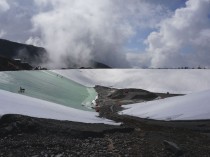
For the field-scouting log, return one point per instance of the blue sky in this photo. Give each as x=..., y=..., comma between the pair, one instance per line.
x=172, y=4
x=136, y=44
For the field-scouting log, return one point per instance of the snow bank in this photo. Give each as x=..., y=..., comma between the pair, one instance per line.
x=156, y=80
x=190, y=107
x=12, y=103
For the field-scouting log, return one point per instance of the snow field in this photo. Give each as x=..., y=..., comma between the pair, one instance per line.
x=12, y=103
x=194, y=106
x=154, y=80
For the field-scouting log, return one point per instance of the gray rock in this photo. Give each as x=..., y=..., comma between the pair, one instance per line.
x=173, y=148
x=8, y=129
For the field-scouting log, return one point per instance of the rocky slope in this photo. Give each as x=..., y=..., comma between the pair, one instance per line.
x=7, y=64
x=27, y=53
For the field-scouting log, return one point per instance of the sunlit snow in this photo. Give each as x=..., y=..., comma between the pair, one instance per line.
x=155, y=80
x=12, y=103
x=194, y=106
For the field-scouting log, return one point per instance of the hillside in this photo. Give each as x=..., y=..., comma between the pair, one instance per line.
x=28, y=53
x=35, y=56
x=7, y=64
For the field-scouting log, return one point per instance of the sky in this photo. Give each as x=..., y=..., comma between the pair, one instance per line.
x=119, y=33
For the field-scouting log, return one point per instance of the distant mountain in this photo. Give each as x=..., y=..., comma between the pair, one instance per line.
x=27, y=53
x=33, y=55
x=95, y=65
x=99, y=65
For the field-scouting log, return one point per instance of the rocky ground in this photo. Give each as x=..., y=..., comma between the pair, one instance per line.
x=27, y=136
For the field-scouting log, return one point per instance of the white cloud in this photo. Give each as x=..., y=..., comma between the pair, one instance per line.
x=138, y=59
x=41, y=3
x=17, y=20
x=2, y=33
x=4, y=6
x=79, y=30
x=83, y=30
x=34, y=41
x=183, y=39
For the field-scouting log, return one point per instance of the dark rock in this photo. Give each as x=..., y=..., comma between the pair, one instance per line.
x=27, y=53
x=173, y=148
x=8, y=129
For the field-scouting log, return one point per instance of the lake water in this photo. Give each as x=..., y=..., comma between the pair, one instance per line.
x=49, y=86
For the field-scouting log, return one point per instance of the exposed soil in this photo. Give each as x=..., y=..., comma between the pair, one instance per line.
x=27, y=136
x=108, y=95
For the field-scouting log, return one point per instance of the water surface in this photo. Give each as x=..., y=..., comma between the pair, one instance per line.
x=49, y=86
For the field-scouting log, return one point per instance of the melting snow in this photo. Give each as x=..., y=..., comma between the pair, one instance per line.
x=194, y=106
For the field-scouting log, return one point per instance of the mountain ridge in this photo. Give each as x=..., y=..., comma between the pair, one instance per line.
x=35, y=56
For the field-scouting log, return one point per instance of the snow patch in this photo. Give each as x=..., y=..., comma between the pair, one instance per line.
x=189, y=107
x=12, y=103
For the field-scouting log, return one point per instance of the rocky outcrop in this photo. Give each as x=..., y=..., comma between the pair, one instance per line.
x=7, y=64
x=28, y=53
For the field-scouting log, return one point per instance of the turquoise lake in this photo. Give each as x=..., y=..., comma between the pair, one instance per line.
x=49, y=86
